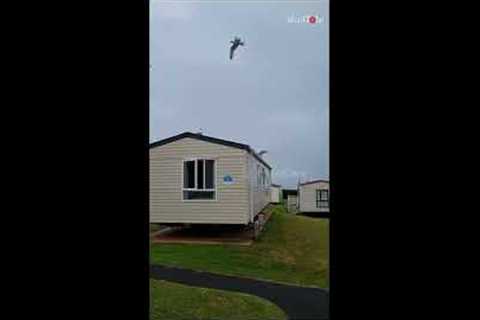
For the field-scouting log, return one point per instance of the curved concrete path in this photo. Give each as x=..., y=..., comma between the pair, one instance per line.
x=299, y=303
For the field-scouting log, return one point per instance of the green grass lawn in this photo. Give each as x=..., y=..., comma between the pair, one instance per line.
x=154, y=227
x=176, y=301
x=292, y=249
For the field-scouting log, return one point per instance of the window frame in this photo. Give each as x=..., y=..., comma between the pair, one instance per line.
x=263, y=178
x=318, y=198
x=182, y=176
x=259, y=177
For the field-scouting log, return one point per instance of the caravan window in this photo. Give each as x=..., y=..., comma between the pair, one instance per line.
x=189, y=174
x=322, y=198
x=259, y=176
x=199, y=179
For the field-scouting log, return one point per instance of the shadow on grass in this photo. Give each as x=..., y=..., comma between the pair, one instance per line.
x=209, y=232
x=318, y=215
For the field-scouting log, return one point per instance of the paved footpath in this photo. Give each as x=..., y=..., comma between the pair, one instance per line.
x=299, y=303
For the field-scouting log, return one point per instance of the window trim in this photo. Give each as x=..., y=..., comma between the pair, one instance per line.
x=215, y=191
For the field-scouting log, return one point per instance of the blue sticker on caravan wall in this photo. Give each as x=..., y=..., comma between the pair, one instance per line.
x=227, y=179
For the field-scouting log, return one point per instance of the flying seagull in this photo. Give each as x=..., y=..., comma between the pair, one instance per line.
x=235, y=43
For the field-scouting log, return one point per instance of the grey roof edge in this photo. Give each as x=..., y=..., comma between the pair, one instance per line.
x=314, y=181
x=209, y=139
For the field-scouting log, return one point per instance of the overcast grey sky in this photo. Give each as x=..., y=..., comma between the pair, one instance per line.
x=273, y=95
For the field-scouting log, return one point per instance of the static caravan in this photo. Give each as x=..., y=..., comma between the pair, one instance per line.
x=292, y=203
x=196, y=179
x=313, y=196
x=276, y=191
x=287, y=192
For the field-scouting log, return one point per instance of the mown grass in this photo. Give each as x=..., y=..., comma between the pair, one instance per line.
x=154, y=227
x=292, y=249
x=175, y=301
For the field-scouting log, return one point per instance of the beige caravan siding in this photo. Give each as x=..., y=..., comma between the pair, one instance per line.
x=166, y=200
x=260, y=195
x=308, y=196
x=292, y=203
x=275, y=195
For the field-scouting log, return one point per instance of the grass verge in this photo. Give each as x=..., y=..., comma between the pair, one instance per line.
x=172, y=301
x=292, y=249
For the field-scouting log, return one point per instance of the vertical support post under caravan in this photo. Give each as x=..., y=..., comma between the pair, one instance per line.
x=258, y=225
